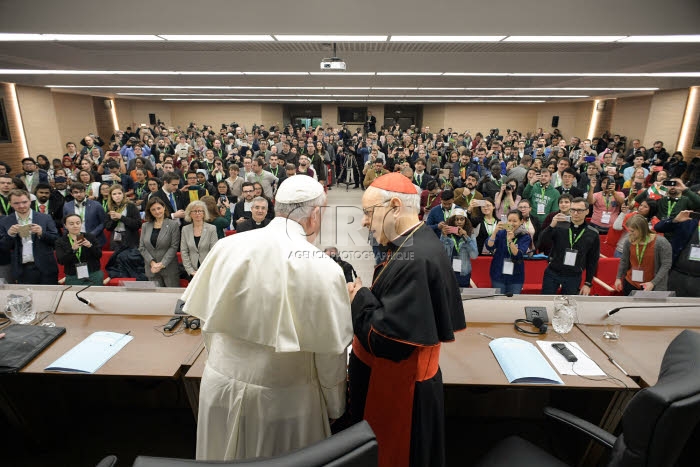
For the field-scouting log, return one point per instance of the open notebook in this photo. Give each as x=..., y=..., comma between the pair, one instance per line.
x=91, y=353
x=522, y=362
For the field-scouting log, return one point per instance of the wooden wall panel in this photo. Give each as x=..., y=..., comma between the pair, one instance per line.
x=13, y=152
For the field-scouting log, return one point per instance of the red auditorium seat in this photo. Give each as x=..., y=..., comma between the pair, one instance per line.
x=534, y=272
x=480, y=271
x=108, y=236
x=230, y=232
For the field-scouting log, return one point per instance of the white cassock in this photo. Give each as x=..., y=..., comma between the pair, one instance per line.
x=277, y=323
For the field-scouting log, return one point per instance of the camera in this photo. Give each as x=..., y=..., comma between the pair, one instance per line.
x=669, y=183
x=399, y=149
x=509, y=188
x=222, y=198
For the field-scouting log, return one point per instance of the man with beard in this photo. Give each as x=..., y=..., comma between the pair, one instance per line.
x=399, y=325
x=49, y=202
x=464, y=196
x=680, y=198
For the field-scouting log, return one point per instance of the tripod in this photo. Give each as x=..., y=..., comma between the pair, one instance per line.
x=348, y=171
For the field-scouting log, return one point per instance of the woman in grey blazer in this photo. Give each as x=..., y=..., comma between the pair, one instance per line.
x=196, y=238
x=160, y=239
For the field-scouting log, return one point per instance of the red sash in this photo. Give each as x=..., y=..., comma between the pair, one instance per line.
x=389, y=406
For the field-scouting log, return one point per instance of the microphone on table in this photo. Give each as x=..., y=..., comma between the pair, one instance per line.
x=84, y=300
x=615, y=310
x=510, y=294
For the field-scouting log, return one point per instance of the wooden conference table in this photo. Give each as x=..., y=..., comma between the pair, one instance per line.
x=468, y=361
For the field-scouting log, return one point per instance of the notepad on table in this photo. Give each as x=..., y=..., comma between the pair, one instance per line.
x=91, y=353
x=522, y=362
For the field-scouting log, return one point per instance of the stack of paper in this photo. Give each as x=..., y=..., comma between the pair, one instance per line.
x=92, y=353
x=522, y=362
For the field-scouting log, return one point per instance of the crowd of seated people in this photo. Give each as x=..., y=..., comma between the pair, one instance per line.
x=159, y=200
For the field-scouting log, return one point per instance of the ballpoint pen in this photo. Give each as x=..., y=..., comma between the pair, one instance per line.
x=122, y=337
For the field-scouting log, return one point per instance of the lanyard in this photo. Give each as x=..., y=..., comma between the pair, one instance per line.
x=430, y=201
x=81, y=210
x=277, y=169
x=671, y=205
x=573, y=242
x=512, y=242
x=640, y=257
x=104, y=205
x=418, y=178
x=139, y=190
x=5, y=205
x=543, y=189
x=607, y=203
x=456, y=244
x=446, y=214
x=490, y=227
x=78, y=253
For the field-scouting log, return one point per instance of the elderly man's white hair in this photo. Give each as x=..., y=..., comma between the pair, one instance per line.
x=409, y=201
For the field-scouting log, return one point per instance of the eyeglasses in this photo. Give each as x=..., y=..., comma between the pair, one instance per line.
x=197, y=212
x=248, y=191
x=370, y=210
x=578, y=211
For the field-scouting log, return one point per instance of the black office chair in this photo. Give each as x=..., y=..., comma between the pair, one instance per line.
x=353, y=447
x=660, y=425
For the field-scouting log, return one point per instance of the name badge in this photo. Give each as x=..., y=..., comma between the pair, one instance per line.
x=456, y=265
x=508, y=267
x=694, y=253
x=540, y=208
x=81, y=270
x=637, y=275
x=570, y=257
x=605, y=218
x=117, y=236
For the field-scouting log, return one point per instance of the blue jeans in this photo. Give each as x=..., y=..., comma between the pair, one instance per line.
x=618, y=254
x=507, y=286
x=551, y=282
x=463, y=281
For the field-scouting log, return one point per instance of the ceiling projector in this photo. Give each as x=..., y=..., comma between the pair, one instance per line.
x=334, y=64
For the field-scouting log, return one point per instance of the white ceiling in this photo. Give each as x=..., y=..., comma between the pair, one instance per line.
x=407, y=17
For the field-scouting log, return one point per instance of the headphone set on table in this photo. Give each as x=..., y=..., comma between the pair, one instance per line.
x=536, y=322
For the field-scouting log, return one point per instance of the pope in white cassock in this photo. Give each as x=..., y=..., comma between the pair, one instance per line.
x=277, y=323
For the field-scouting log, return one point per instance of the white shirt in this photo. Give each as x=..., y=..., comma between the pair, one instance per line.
x=27, y=244
x=80, y=210
x=277, y=349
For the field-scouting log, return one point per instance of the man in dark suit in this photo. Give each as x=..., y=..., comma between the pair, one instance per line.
x=172, y=196
x=32, y=175
x=49, y=202
x=371, y=123
x=91, y=212
x=29, y=237
x=420, y=176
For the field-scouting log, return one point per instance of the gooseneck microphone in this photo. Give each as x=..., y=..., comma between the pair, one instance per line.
x=510, y=294
x=615, y=310
x=84, y=300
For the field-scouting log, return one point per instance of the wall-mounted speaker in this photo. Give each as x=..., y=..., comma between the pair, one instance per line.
x=152, y=119
x=555, y=121
x=108, y=104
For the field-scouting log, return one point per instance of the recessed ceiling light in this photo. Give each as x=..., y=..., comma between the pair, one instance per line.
x=446, y=38
x=101, y=37
x=217, y=37
x=327, y=38
x=346, y=87
x=664, y=38
x=394, y=88
x=277, y=73
x=341, y=73
x=563, y=38
x=409, y=73
x=5, y=36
